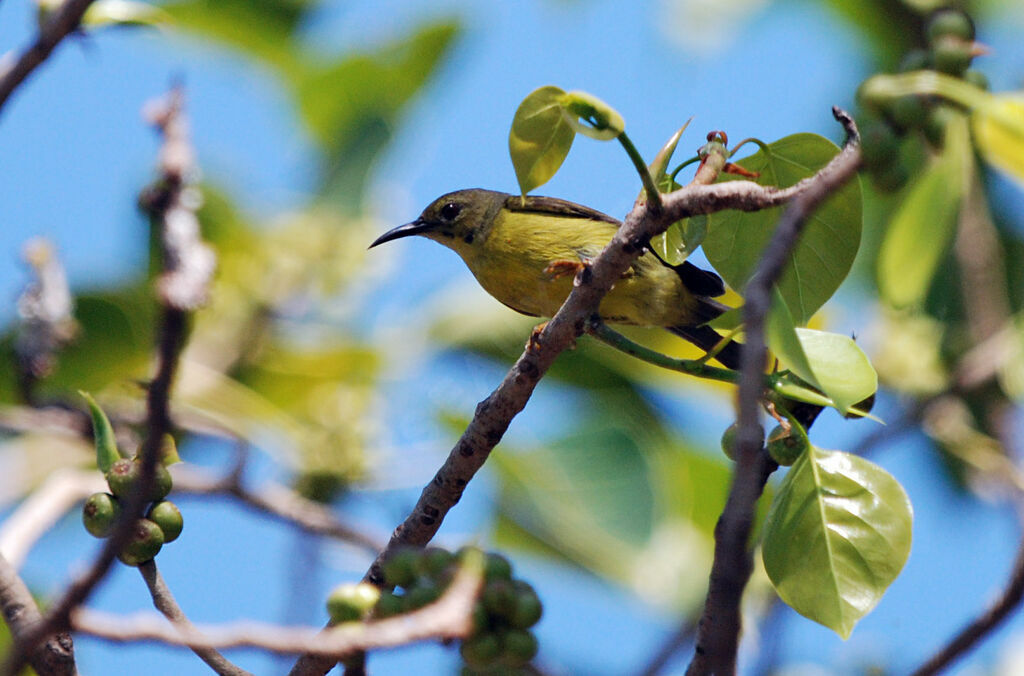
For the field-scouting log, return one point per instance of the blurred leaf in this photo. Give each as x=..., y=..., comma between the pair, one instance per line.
x=999, y=133
x=114, y=344
x=264, y=29
x=837, y=535
x=588, y=497
x=590, y=116
x=923, y=225
x=540, y=138
x=123, y=13
x=351, y=106
x=828, y=245
x=891, y=28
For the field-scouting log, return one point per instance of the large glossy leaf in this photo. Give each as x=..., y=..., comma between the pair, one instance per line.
x=837, y=535
x=828, y=245
x=922, y=227
x=540, y=137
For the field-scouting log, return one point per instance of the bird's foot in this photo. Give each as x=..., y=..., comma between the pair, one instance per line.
x=563, y=268
x=533, y=342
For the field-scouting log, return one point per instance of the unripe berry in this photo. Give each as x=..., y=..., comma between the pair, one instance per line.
x=145, y=543
x=166, y=515
x=99, y=514
x=786, y=446
x=350, y=602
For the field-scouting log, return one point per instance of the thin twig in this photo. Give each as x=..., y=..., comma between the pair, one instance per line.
x=56, y=655
x=62, y=22
x=450, y=617
x=719, y=628
x=164, y=601
x=277, y=501
x=495, y=413
x=165, y=200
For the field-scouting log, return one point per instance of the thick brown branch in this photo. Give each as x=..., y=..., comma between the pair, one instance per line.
x=53, y=657
x=63, y=22
x=719, y=628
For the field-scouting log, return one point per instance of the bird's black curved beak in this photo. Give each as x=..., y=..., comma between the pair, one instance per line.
x=417, y=227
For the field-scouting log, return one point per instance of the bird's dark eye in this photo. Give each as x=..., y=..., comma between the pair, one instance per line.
x=450, y=211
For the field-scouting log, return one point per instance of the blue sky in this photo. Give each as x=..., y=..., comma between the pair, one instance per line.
x=74, y=151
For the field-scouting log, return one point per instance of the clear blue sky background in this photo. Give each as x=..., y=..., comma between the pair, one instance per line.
x=74, y=152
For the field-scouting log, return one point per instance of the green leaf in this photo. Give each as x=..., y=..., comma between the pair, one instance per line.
x=837, y=535
x=922, y=227
x=999, y=133
x=839, y=367
x=784, y=342
x=827, y=247
x=269, y=26
x=540, y=138
x=591, y=116
x=103, y=435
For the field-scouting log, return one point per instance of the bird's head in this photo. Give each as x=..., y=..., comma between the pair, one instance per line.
x=460, y=220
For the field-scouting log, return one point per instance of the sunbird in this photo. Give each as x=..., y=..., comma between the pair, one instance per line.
x=525, y=251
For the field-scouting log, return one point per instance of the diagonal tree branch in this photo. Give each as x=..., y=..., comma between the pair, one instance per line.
x=62, y=22
x=719, y=628
x=494, y=414
x=164, y=601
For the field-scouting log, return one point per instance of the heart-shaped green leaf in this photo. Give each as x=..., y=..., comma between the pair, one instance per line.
x=540, y=138
x=923, y=225
x=827, y=247
x=836, y=536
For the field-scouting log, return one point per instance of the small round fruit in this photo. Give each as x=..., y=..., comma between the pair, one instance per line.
x=528, y=608
x=433, y=562
x=350, y=602
x=729, y=441
x=497, y=567
x=99, y=514
x=891, y=178
x=122, y=475
x=162, y=483
x=400, y=567
x=481, y=650
x=424, y=593
x=907, y=112
x=945, y=23
x=499, y=597
x=519, y=646
x=388, y=605
x=880, y=145
x=166, y=515
x=915, y=59
x=145, y=543
x=785, y=447
x=952, y=56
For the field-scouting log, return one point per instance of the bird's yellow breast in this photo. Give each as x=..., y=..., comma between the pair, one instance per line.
x=512, y=261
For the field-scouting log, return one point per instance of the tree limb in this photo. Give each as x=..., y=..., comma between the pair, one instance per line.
x=62, y=22
x=53, y=657
x=719, y=627
x=494, y=414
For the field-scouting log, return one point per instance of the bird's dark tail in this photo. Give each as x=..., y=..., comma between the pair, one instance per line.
x=706, y=338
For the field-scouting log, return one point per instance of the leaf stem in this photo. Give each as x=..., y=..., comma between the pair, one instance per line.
x=653, y=196
x=693, y=367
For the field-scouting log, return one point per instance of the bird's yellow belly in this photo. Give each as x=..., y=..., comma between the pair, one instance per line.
x=650, y=294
